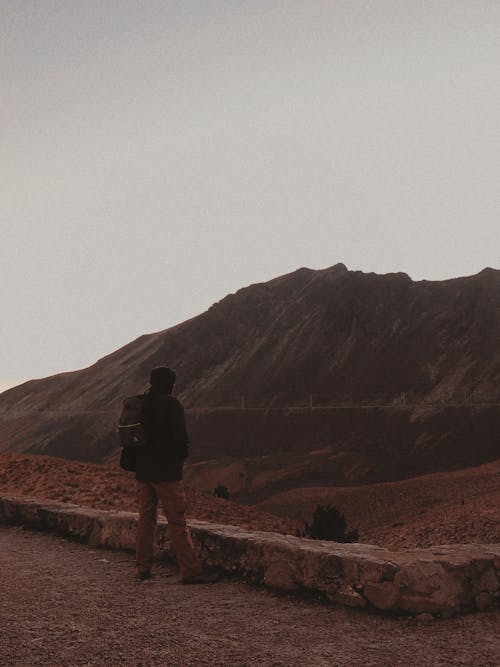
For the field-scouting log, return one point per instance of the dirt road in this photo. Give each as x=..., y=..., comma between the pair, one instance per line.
x=65, y=604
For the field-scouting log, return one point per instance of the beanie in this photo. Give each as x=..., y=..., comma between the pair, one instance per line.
x=162, y=376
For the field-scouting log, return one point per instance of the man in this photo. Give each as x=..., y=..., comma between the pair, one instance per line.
x=159, y=466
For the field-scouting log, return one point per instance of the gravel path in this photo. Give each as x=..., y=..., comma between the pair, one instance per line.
x=66, y=604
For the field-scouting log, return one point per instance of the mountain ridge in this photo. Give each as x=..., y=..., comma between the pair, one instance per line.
x=335, y=270
x=328, y=337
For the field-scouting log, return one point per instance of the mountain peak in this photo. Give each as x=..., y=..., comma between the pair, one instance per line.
x=338, y=268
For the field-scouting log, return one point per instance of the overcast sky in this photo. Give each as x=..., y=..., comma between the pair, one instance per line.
x=158, y=155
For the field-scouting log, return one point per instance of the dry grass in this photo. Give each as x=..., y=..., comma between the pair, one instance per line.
x=442, y=508
x=110, y=488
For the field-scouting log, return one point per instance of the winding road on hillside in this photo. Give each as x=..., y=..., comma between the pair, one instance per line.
x=69, y=604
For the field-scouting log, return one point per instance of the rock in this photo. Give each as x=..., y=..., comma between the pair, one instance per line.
x=322, y=570
x=389, y=571
x=488, y=581
x=349, y=597
x=281, y=575
x=282, y=568
x=424, y=618
x=118, y=530
x=429, y=586
x=424, y=578
x=382, y=595
x=483, y=601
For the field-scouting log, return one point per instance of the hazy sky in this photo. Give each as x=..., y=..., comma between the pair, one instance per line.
x=157, y=155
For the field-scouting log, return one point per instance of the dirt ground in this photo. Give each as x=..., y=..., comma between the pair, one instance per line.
x=66, y=604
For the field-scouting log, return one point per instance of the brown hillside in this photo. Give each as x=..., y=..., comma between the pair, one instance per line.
x=365, y=343
x=442, y=508
x=109, y=488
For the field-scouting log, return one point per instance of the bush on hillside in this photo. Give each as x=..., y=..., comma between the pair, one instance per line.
x=221, y=492
x=328, y=523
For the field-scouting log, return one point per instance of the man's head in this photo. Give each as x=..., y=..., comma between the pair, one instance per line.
x=162, y=377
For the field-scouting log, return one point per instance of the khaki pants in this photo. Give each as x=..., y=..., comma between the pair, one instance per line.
x=173, y=500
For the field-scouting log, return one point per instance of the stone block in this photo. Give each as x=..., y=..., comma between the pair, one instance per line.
x=389, y=571
x=252, y=559
x=488, y=581
x=76, y=523
x=349, y=597
x=383, y=595
x=162, y=536
x=478, y=566
x=283, y=566
x=9, y=510
x=423, y=578
x=26, y=513
x=322, y=571
x=117, y=530
x=483, y=601
x=466, y=598
x=282, y=575
x=350, y=569
x=370, y=570
x=424, y=618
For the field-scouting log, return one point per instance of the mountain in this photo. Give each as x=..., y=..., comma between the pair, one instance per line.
x=385, y=376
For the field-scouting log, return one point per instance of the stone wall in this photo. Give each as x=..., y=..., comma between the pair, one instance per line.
x=442, y=581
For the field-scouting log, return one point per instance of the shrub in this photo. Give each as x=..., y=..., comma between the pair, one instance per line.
x=221, y=492
x=328, y=523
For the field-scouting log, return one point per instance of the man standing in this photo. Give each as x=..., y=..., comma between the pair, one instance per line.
x=159, y=466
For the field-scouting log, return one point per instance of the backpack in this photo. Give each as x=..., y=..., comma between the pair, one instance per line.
x=130, y=431
x=129, y=428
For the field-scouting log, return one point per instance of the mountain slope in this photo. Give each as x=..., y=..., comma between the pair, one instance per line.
x=333, y=336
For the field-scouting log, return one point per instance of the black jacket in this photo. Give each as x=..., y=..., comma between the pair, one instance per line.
x=162, y=458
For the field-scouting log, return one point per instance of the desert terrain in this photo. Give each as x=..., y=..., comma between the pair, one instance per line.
x=442, y=508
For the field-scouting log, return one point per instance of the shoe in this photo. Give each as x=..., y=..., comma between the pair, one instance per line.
x=202, y=578
x=142, y=576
